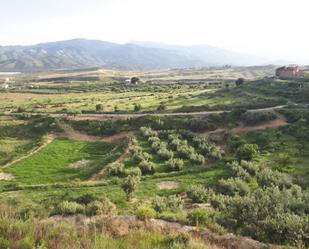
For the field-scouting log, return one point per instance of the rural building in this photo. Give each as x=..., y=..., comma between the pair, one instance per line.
x=4, y=86
x=289, y=72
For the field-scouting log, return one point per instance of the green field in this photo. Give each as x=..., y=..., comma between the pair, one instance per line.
x=59, y=162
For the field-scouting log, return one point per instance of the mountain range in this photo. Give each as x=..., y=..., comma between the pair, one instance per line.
x=82, y=53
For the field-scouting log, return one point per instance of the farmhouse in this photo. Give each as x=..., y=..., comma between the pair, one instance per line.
x=289, y=72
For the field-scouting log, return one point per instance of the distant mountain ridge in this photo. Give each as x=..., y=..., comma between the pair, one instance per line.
x=82, y=53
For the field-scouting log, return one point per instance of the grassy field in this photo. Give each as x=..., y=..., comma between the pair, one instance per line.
x=63, y=161
x=17, y=137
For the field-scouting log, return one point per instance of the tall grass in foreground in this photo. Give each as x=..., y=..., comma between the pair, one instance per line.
x=20, y=229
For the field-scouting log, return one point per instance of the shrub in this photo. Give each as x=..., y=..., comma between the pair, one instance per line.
x=197, y=158
x=185, y=151
x=148, y=132
x=181, y=240
x=164, y=153
x=147, y=167
x=268, y=178
x=175, y=164
x=69, y=208
x=233, y=186
x=238, y=171
x=199, y=194
x=142, y=156
x=115, y=169
x=85, y=199
x=216, y=153
x=170, y=203
x=4, y=243
x=130, y=185
x=145, y=213
x=103, y=207
x=247, y=151
x=254, y=118
x=199, y=216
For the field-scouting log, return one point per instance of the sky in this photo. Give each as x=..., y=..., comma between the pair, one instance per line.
x=277, y=29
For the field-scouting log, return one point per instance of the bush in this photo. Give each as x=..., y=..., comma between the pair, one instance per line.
x=148, y=132
x=147, y=167
x=199, y=194
x=239, y=171
x=181, y=240
x=103, y=207
x=233, y=186
x=199, y=216
x=85, y=199
x=164, y=153
x=69, y=208
x=4, y=243
x=175, y=164
x=145, y=213
x=254, y=118
x=130, y=185
x=170, y=203
x=247, y=151
x=185, y=151
x=197, y=158
x=115, y=169
x=269, y=178
x=142, y=156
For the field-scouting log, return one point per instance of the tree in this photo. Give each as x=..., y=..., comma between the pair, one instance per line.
x=134, y=80
x=162, y=107
x=137, y=107
x=130, y=185
x=99, y=107
x=247, y=151
x=240, y=81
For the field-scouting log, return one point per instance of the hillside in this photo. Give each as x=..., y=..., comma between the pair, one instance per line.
x=82, y=53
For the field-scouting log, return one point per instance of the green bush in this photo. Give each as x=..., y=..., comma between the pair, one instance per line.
x=254, y=118
x=69, y=208
x=147, y=167
x=233, y=186
x=197, y=158
x=115, y=169
x=164, y=153
x=247, y=151
x=199, y=216
x=170, y=203
x=199, y=194
x=181, y=240
x=103, y=207
x=175, y=164
x=145, y=213
x=4, y=243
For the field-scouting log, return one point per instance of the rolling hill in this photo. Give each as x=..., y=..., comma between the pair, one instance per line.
x=82, y=53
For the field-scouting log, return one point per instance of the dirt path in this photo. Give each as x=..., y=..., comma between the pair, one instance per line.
x=50, y=138
x=273, y=124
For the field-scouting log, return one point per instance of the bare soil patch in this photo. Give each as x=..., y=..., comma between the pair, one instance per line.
x=79, y=164
x=6, y=176
x=168, y=185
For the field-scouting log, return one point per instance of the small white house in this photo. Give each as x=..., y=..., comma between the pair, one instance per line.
x=4, y=86
x=127, y=81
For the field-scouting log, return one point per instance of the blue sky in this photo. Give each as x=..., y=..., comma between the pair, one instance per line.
x=274, y=28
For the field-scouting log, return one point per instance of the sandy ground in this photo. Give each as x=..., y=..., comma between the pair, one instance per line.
x=168, y=185
x=6, y=177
